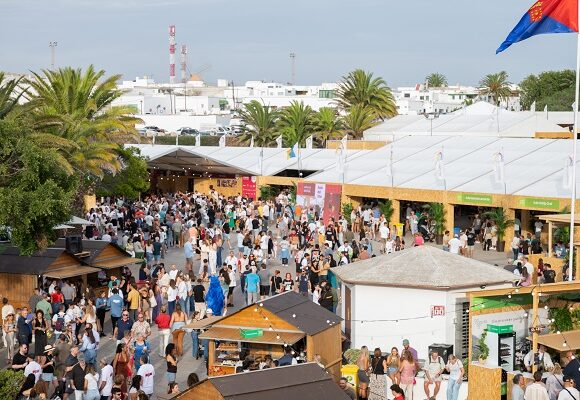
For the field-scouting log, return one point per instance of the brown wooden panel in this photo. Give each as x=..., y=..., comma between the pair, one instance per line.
x=63, y=260
x=328, y=344
x=347, y=312
x=17, y=288
x=484, y=382
x=251, y=319
x=204, y=390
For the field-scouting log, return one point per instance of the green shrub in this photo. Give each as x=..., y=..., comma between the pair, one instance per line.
x=346, y=211
x=10, y=383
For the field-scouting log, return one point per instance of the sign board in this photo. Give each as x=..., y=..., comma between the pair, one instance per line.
x=251, y=333
x=471, y=198
x=437, y=311
x=249, y=187
x=534, y=202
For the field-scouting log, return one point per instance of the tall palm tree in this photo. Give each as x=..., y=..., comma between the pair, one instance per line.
x=359, y=119
x=327, y=124
x=495, y=87
x=361, y=88
x=9, y=95
x=72, y=110
x=296, y=123
x=259, y=122
x=436, y=80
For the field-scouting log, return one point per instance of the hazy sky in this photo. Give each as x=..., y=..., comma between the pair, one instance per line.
x=402, y=41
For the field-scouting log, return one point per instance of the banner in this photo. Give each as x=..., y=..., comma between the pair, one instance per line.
x=249, y=187
x=320, y=199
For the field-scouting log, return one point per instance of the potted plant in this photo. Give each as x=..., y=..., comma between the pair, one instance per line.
x=437, y=215
x=483, y=348
x=386, y=208
x=346, y=211
x=502, y=223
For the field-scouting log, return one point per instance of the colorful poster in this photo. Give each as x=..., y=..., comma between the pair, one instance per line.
x=249, y=187
x=321, y=199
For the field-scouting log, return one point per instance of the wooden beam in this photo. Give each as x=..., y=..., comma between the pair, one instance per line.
x=535, y=323
x=548, y=288
x=550, y=238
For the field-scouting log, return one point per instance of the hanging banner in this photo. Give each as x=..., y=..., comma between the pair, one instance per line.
x=322, y=200
x=249, y=187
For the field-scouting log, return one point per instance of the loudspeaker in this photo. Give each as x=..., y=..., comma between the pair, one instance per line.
x=442, y=349
x=74, y=244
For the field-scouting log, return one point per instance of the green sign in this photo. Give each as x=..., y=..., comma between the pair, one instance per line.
x=251, y=333
x=474, y=198
x=517, y=300
x=533, y=202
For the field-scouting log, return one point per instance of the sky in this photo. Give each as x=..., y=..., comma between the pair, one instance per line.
x=240, y=40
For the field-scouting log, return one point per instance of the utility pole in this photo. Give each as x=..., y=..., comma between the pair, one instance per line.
x=52, y=46
x=293, y=68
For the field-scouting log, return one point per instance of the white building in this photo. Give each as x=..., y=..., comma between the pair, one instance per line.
x=416, y=294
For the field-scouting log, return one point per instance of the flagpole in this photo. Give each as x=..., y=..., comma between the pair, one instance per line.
x=574, y=147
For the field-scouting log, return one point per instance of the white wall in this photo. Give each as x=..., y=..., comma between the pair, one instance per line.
x=380, y=303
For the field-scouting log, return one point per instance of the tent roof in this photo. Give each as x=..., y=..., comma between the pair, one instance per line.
x=423, y=267
x=533, y=167
x=478, y=119
x=556, y=340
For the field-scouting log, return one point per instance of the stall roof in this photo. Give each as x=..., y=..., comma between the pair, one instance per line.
x=234, y=335
x=546, y=288
x=560, y=218
x=116, y=257
x=203, y=323
x=70, y=271
x=50, y=260
x=424, y=267
x=301, y=312
x=302, y=381
x=556, y=340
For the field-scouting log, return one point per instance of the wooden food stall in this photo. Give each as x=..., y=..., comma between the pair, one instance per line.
x=19, y=275
x=267, y=327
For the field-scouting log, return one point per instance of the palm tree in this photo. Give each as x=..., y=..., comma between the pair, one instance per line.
x=495, y=87
x=8, y=94
x=360, y=88
x=327, y=124
x=72, y=111
x=296, y=123
x=359, y=119
x=436, y=80
x=259, y=122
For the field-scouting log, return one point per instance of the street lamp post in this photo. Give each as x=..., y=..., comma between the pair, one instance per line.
x=431, y=116
x=52, y=46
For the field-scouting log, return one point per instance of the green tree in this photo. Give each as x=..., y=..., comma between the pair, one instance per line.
x=35, y=192
x=359, y=119
x=10, y=383
x=259, y=121
x=328, y=124
x=9, y=95
x=554, y=89
x=296, y=123
x=74, y=109
x=436, y=80
x=495, y=87
x=131, y=181
x=360, y=88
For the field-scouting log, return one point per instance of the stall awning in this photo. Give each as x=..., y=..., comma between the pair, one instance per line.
x=116, y=262
x=69, y=272
x=203, y=323
x=556, y=340
x=269, y=337
x=560, y=218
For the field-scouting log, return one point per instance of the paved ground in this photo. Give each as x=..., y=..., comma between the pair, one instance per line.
x=187, y=363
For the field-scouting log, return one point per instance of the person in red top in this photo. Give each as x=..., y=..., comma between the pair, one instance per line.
x=162, y=322
x=57, y=299
x=397, y=392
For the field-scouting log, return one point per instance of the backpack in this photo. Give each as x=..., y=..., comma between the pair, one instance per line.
x=59, y=324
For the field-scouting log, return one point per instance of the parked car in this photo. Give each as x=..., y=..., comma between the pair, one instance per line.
x=152, y=130
x=188, y=131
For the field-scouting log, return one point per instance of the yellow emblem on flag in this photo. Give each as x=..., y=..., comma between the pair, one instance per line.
x=536, y=12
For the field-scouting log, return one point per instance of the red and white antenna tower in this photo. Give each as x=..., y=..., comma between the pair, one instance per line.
x=183, y=63
x=171, y=53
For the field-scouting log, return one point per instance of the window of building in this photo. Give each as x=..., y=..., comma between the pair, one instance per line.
x=407, y=95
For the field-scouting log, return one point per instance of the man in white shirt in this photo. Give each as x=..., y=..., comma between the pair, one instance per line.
x=384, y=232
x=569, y=392
x=147, y=372
x=537, y=390
x=528, y=265
x=543, y=359
x=232, y=260
x=33, y=368
x=454, y=245
x=106, y=382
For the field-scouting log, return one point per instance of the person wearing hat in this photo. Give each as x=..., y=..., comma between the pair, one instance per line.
x=454, y=244
x=407, y=347
x=47, y=363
